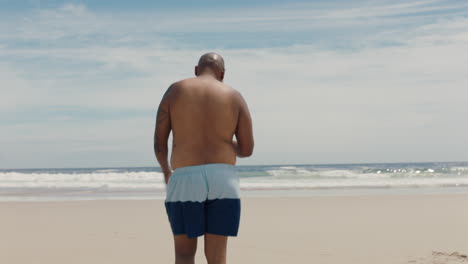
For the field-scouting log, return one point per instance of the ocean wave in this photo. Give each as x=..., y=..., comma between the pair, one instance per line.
x=117, y=180
x=275, y=185
x=252, y=178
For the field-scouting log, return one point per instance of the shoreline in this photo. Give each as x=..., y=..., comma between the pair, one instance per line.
x=46, y=195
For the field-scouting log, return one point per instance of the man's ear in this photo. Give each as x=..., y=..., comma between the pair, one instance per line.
x=196, y=70
x=221, y=76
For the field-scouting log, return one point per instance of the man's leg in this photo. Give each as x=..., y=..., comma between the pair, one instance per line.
x=215, y=248
x=185, y=249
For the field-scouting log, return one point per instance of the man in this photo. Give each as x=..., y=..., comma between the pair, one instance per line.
x=203, y=190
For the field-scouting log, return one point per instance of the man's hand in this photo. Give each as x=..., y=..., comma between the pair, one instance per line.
x=167, y=174
x=235, y=146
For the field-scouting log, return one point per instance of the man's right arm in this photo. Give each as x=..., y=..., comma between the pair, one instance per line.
x=161, y=134
x=244, y=133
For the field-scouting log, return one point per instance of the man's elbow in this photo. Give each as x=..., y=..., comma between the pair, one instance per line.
x=156, y=149
x=245, y=152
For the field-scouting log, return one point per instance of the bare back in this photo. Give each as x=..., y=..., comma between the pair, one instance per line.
x=204, y=114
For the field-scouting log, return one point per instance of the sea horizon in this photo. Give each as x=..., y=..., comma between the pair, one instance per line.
x=243, y=165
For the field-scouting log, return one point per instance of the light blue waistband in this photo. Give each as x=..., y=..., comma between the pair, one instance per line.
x=204, y=167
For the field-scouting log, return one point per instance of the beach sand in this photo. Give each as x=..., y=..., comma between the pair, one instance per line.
x=369, y=229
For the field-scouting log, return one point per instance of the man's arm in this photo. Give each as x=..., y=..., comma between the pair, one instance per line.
x=161, y=134
x=244, y=133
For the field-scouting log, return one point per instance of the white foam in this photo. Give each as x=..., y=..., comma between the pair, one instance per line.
x=109, y=180
x=288, y=168
x=348, y=183
x=285, y=177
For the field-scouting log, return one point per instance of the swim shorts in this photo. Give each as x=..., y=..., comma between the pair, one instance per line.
x=204, y=199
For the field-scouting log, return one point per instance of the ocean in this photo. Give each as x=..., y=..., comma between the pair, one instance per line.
x=268, y=180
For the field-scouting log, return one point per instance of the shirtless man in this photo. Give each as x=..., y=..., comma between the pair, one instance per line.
x=203, y=190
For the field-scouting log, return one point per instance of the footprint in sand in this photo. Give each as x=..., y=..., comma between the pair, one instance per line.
x=448, y=258
x=442, y=258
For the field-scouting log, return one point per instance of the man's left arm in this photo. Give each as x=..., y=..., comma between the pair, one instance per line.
x=161, y=135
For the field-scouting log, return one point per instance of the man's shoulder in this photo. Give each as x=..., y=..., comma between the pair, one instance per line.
x=194, y=82
x=178, y=86
x=235, y=93
x=182, y=83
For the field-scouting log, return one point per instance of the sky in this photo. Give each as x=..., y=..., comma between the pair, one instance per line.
x=325, y=81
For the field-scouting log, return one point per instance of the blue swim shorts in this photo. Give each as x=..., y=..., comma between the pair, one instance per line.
x=204, y=199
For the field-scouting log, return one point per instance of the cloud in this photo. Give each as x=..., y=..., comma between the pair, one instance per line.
x=396, y=95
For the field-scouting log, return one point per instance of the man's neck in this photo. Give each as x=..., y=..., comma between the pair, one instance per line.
x=208, y=74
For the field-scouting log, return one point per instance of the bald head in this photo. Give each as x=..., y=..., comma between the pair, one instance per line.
x=211, y=63
x=211, y=60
